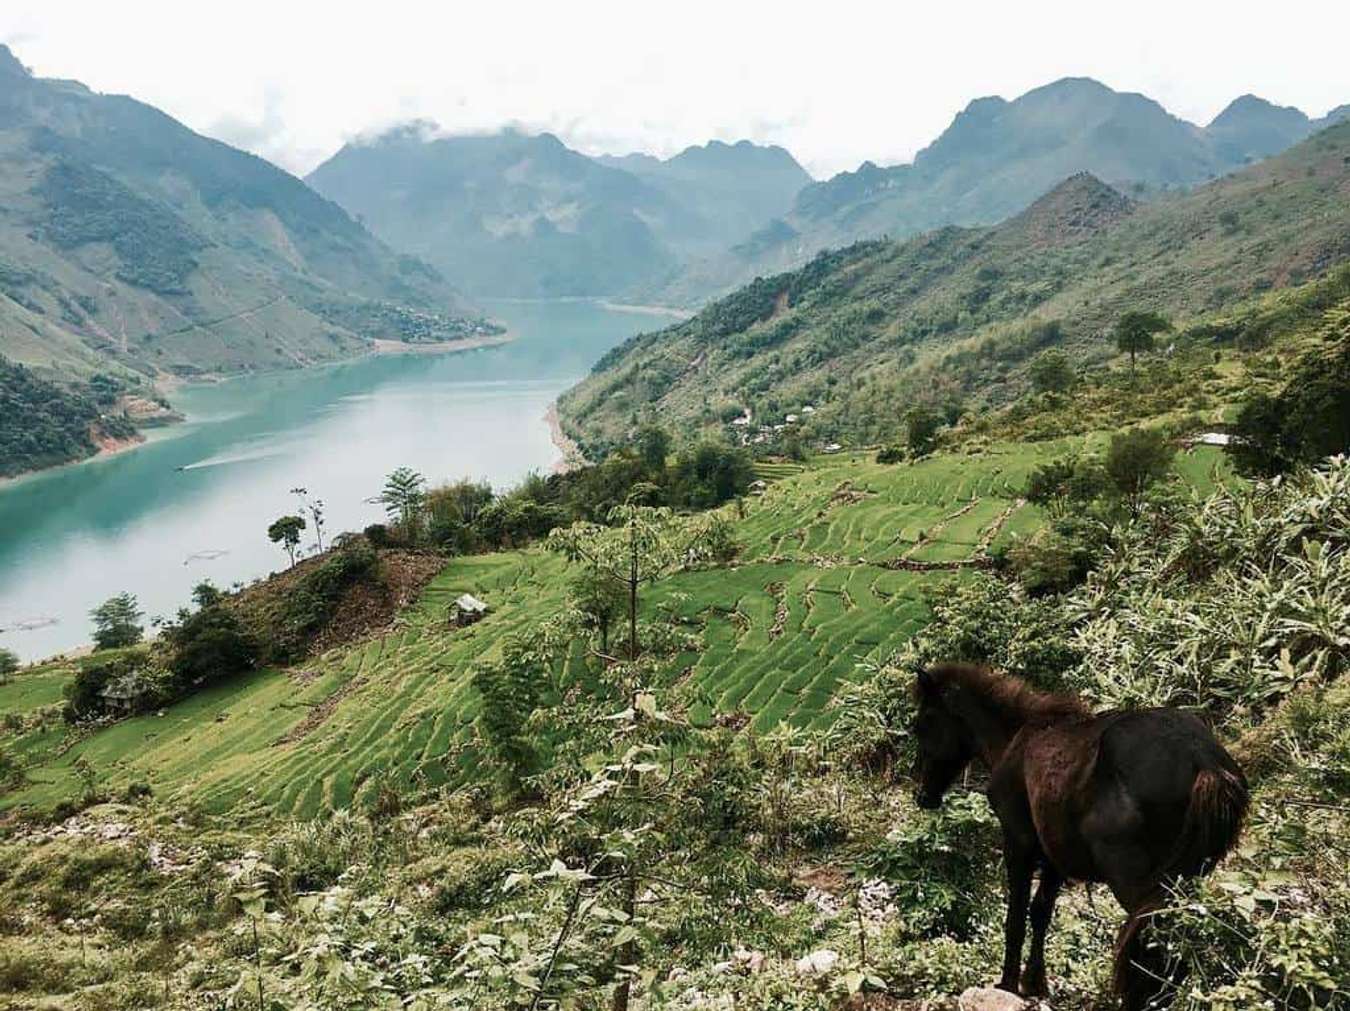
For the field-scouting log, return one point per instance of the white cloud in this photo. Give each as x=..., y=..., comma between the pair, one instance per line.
x=834, y=83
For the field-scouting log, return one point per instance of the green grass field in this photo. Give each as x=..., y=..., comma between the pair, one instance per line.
x=814, y=595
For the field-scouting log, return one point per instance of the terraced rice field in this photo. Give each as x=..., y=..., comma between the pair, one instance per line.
x=838, y=559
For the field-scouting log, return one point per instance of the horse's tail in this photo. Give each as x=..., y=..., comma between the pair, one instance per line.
x=1213, y=822
x=1211, y=827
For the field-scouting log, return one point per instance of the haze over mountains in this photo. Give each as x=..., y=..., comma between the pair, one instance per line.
x=130, y=243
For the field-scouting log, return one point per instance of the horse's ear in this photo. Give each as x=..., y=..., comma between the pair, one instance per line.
x=927, y=684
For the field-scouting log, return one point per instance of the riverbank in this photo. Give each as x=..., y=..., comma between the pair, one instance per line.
x=648, y=310
x=572, y=457
x=105, y=446
x=382, y=346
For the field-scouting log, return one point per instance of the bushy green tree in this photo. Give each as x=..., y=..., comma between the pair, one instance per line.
x=211, y=644
x=1135, y=330
x=600, y=601
x=921, y=427
x=709, y=474
x=286, y=531
x=9, y=663
x=1135, y=461
x=117, y=622
x=1052, y=372
x=653, y=446
x=206, y=594
x=1060, y=484
x=1308, y=421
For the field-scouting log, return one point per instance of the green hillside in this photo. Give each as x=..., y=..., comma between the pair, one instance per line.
x=348, y=833
x=130, y=244
x=821, y=585
x=955, y=316
x=760, y=846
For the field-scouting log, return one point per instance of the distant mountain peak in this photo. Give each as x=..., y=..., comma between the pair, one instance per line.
x=1079, y=207
x=10, y=66
x=1247, y=107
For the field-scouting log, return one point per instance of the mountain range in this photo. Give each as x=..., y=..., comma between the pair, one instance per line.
x=132, y=245
x=524, y=215
x=994, y=159
x=956, y=314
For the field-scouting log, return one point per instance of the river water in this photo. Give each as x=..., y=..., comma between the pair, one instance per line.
x=194, y=502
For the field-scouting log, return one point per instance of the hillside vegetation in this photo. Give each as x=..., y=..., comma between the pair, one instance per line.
x=779, y=867
x=530, y=809
x=43, y=424
x=954, y=317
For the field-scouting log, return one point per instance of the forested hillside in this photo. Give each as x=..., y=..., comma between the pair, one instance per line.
x=955, y=318
x=130, y=244
x=43, y=424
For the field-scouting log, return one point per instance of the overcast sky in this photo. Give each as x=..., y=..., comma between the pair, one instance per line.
x=834, y=82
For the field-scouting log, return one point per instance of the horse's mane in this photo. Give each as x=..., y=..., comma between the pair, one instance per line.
x=1008, y=693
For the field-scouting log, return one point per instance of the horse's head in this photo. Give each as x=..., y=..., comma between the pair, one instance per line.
x=942, y=740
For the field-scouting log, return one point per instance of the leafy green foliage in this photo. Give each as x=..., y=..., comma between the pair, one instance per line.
x=1135, y=461
x=313, y=600
x=286, y=530
x=156, y=247
x=921, y=428
x=1135, y=330
x=1308, y=420
x=117, y=622
x=404, y=496
x=1051, y=372
x=210, y=644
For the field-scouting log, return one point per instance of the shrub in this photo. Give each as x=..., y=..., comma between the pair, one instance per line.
x=211, y=644
x=1058, y=557
x=944, y=866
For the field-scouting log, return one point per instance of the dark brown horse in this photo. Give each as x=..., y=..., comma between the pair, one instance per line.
x=1134, y=798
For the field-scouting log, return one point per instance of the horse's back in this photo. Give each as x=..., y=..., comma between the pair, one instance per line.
x=1120, y=779
x=1156, y=755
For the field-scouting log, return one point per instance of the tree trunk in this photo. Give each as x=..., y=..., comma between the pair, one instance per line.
x=628, y=952
x=632, y=595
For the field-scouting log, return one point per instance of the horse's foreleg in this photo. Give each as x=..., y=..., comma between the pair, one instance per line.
x=1019, y=865
x=1042, y=909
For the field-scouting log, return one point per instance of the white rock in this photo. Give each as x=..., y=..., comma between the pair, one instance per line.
x=987, y=998
x=818, y=963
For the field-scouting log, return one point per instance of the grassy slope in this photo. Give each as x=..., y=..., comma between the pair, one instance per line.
x=781, y=631
x=863, y=335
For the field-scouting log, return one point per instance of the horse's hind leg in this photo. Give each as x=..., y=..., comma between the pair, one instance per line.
x=1042, y=909
x=1141, y=970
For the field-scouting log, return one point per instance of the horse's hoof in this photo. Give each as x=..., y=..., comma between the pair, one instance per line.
x=1035, y=988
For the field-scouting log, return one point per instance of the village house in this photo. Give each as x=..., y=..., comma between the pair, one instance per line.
x=126, y=694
